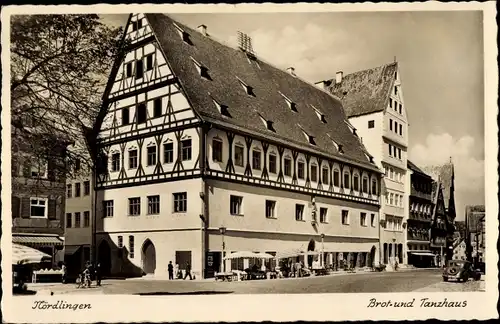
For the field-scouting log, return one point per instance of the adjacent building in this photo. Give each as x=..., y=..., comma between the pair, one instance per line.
x=460, y=250
x=374, y=104
x=38, y=181
x=440, y=227
x=420, y=218
x=475, y=233
x=205, y=150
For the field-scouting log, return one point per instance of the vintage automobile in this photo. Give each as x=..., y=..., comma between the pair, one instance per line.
x=460, y=271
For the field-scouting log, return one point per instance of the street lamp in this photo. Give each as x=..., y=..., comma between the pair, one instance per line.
x=222, y=231
x=322, y=250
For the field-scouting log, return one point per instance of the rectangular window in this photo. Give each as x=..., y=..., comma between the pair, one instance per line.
x=236, y=203
x=345, y=217
x=39, y=169
x=325, y=175
x=314, y=173
x=363, y=219
x=139, y=69
x=400, y=109
x=365, y=185
x=323, y=215
x=356, y=183
x=270, y=209
x=256, y=159
x=134, y=25
x=168, y=152
x=336, y=178
x=125, y=116
x=288, y=167
x=346, y=180
x=390, y=150
x=186, y=150
x=108, y=208
x=390, y=102
x=120, y=241
x=395, y=127
x=400, y=129
x=396, y=90
x=68, y=220
x=78, y=189
x=77, y=220
x=372, y=220
x=78, y=165
x=151, y=155
x=238, y=155
x=371, y=124
x=139, y=23
x=115, y=162
x=86, y=219
x=149, y=62
x=141, y=113
x=157, y=108
x=129, y=69
x=131, y=246
x=180, y=202
x=300, y=169
x=134, y=206
x=374, y=187
x=86, y=188
x=69, y=191
x=216, y=150
x=299, y=212
x=272, y=163
x=390, y=124
x=153, y=205
x=132, y=159
x=399, y=153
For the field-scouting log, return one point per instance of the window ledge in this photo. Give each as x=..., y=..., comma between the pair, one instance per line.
x=239, y=215
x=271, y=217
x=300, y=220
x=347, y=224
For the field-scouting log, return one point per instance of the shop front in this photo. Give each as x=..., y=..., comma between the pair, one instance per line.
x=51, y=244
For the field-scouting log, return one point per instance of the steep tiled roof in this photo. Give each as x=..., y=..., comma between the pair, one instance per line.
x=446, y=176
x=365, y=92
x=227, y=67
x=412, y=166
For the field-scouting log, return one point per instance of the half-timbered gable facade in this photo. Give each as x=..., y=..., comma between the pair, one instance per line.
x=201, y=144
x=440, y=225
x=374, y=104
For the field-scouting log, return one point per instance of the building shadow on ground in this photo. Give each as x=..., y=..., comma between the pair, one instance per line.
x=20, y=292
x=166, y=293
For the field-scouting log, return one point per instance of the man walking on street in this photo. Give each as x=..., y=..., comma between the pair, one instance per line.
x=170, y=271
x=98, y=274
x=188, y=272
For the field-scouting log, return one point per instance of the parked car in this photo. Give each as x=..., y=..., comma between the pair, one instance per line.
x=460, y=271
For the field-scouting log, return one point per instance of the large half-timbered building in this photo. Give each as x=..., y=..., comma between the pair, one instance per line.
x=208, y=149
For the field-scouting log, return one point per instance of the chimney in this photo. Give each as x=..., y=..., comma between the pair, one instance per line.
x=203, y=29
x=291, y=70
x=338, y=77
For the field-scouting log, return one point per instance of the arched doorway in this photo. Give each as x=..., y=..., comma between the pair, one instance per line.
x=386, y=252
x=310, y=247
x=371, y=257
x=148, y=257
x=104, y=257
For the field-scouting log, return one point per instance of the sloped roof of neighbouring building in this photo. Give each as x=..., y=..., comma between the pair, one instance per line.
x=227, y=67
x=412, y=166
x=365, y=92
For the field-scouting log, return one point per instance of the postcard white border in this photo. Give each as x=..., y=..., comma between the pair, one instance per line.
x=230, y=308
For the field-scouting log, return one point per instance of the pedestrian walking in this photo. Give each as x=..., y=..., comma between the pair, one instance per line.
x=177, y=272
x=170, y=271
x=98, y=274
x=64, y=273
x=188, y=272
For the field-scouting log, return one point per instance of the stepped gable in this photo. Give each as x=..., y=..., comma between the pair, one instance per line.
x=227, y=67
x=365, y=92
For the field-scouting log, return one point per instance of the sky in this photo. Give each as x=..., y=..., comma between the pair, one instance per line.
x=440, y=57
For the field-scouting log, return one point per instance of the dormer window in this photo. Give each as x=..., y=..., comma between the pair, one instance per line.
x=309, y=137
x=202, y=70
x=337, y=145
x=290, y=103
x=353, y=130
x=223, y=109
x=183, y=34
x=248, y=89
x=267, y=123
x=320, y=115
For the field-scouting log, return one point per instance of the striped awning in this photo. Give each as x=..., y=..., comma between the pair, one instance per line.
x=24, y=255
x=37, y=239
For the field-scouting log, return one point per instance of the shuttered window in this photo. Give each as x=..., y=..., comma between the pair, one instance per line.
x=16, y=207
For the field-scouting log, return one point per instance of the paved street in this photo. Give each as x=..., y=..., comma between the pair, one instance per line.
x=401, y=281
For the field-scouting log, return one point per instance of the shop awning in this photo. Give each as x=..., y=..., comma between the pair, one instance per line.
x=71, y=249
x=37, y=239
x=423, y=253
x=24, y=254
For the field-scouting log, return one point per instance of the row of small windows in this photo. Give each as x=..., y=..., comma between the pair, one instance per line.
x=394, y=151
x=394, y=199
x=420, y=208
x=394, y=223
x=142, y=112
x=397, y=128
x=394, y=175
x=78, y=222
x=395, y=105
x=152, y=155
x=217, y=149
x=153, y=205
x=141, y=65
x=78, y=189
x=131, y=245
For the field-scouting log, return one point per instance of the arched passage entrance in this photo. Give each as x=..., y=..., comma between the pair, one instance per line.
x=148, y=257
x=371, y=257
x=104, y=257
x=310, y=247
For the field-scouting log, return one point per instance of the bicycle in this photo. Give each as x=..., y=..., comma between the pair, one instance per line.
x=83, y=281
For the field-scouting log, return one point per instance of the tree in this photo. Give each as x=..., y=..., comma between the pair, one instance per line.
x=59, y=69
